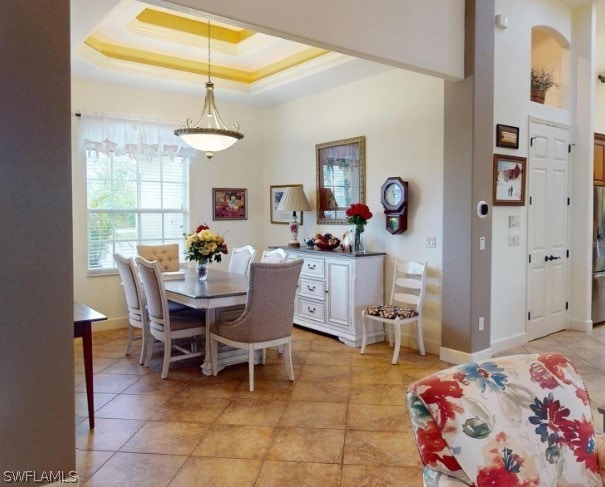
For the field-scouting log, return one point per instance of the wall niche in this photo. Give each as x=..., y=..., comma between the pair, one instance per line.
x=549, y=64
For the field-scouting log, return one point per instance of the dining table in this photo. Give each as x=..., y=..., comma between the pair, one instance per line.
x=84, y=317
x=222, y=293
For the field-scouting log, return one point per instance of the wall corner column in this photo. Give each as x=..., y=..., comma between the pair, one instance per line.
x=468, y=149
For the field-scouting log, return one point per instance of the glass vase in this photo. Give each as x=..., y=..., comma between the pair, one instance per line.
x=202, y=271
x=358, y=246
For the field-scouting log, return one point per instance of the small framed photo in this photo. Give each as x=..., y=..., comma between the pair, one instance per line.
x=509, y=180
x=230, y=203
x=275, y=194
x=507, y=136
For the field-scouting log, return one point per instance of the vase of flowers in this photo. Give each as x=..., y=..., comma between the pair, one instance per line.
x=358, y=214
x=204, y=246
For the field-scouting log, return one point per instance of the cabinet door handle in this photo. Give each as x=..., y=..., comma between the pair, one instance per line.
x=312, y=267
x=310, y=288
x=311, y=310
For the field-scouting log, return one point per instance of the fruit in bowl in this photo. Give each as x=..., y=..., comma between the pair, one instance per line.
x=327, y=241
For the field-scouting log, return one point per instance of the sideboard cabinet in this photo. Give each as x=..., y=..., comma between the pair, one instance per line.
x=334, y=287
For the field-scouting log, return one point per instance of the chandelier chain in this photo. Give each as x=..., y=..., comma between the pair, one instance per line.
x=209, y=50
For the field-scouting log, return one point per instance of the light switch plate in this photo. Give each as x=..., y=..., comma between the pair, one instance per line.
x=513, y=221
x=513, y=240
x=431, y=241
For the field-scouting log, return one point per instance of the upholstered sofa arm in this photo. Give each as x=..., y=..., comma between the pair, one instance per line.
x=601, y=454
x=439, y=461
x=432, y=478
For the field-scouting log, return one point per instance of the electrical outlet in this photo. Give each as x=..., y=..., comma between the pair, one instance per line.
x=513, y=240
x=481, y=243
x=481, y=323
x=431, y=242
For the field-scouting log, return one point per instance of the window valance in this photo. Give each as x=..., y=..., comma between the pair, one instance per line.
x=134, y=137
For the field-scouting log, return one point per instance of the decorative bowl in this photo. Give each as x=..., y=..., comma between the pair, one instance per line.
x=327, y=246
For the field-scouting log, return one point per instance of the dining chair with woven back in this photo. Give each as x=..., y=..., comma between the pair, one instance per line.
x=135, y=301
x=166, y=327
x=268, y=317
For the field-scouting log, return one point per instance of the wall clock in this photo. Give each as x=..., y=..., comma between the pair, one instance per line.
x=394, y=198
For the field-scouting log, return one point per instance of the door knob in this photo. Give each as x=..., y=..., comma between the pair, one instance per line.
x=550, y=257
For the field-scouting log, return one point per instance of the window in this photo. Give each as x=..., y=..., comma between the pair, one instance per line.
x=133, y=201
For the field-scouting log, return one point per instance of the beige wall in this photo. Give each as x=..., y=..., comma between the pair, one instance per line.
x=37, y=429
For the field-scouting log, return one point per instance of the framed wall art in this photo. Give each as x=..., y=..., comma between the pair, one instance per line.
x=275, y=194
x=507, y=136
x=341, y=172
x=230, y=203
x=509, y=180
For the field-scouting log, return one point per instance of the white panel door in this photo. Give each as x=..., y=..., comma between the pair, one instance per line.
x=547, y=229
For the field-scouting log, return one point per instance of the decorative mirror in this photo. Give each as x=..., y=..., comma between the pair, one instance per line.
x=341, y=175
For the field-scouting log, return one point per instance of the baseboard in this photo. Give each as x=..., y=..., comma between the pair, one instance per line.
x=581, y=325
x=507, y=343
x=110, y=324
x=457, y=357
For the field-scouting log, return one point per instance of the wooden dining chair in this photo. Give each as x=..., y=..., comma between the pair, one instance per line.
x=135, y=301
x=404, y=307
x=164, y=326
x=274, y=256
x=268, y=317
x=241, y=258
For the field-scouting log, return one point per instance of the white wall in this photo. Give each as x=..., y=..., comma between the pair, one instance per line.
x=401, y=115
x=425, y=36
x=513, y=107
x=239, y=167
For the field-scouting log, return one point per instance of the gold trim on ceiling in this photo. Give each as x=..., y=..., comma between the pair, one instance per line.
x=191, y=26
x=122, y=53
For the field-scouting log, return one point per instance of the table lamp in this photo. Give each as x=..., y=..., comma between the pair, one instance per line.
x=293, y=199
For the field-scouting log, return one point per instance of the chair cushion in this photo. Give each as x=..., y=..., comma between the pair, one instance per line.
x=391, y=312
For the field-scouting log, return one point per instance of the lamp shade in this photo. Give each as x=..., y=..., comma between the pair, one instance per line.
x=293, y=199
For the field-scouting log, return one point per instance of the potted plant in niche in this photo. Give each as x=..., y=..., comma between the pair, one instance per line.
x=542, y=80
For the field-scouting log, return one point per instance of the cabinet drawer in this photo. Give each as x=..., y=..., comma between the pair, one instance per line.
x=313, y=267
x=311, y=310
x=312, y=289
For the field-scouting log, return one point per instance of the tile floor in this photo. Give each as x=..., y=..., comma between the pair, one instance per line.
x=343, y=422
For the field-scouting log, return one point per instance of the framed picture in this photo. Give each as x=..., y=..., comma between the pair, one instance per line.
x=275, y=194
x=230, y=203
x=507, y=136
x=509, y=180
x=341, y=172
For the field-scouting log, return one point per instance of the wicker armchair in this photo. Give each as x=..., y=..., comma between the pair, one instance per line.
x=267, y=319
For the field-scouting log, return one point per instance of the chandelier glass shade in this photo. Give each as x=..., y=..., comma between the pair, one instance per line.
x=209, y=133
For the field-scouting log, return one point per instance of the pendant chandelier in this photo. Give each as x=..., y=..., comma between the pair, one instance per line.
x=209, y=134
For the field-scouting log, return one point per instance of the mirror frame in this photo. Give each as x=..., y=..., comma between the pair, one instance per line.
x=361, y=151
